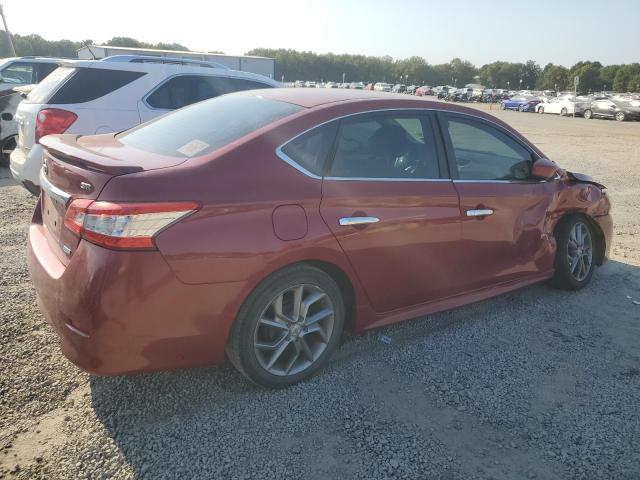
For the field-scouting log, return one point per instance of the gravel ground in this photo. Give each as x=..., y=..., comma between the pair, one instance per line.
x=534, y=384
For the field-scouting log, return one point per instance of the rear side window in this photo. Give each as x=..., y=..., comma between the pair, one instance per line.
x=483, y=152
x=44, y=69
x=206, y=126
x=89, y=84
x=310, y=149
x=184, y=90
x=45, y=89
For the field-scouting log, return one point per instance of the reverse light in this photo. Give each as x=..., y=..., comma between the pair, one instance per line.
x=53, y=120
x=124, y=226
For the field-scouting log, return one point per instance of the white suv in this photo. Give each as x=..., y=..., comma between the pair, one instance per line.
x=110, y=95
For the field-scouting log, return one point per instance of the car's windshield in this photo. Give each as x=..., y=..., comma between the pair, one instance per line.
x=203, y=127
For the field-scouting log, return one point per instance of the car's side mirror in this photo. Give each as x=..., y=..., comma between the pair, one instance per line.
x=545, y=169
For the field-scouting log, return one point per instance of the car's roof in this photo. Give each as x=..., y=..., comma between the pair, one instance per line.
x=30, y=59
x=313, y=97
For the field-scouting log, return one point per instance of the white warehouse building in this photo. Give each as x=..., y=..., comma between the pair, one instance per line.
x=261, y=65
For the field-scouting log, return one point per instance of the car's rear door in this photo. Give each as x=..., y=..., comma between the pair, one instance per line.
x=387, y=198
x=502, y=207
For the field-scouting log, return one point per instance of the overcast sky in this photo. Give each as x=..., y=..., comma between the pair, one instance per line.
x=558, y=31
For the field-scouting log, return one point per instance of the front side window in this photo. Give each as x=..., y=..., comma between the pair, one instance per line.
x=19, y=73
x=483, y=152
x=310, y=149
x=386, y=146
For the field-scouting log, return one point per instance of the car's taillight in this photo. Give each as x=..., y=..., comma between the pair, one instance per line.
x=53, y=120
x=124, y=226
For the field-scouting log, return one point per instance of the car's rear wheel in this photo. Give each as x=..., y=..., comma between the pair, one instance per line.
x=575, y=257
x=8, y=146
x=288, y=328
x=563, y=112
x=521, y=108
x=588, y=114
x=620, y=116
x=540, y=109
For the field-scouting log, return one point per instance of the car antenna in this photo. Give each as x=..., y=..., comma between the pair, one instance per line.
x=89, y=48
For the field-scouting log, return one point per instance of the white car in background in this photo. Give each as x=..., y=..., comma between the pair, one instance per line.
x=382, y=87
x=89, y=97
x=560, y=106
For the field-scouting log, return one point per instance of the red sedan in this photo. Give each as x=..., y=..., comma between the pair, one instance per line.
x=265, y=224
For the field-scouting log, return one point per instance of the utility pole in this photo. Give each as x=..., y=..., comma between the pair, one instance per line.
x=13, y=49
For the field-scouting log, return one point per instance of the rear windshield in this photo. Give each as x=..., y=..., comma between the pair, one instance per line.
x=47, y=86
x=206, y=126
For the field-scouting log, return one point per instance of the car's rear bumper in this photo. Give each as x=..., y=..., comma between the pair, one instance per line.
x=123, y=312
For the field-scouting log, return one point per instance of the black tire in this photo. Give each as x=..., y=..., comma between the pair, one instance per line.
x=563, y=277
x=521, y=108
x=541, y=109
x=8, y=145
x=620, y=117
x=563, y=112
x=588, y=114
x=240, y=347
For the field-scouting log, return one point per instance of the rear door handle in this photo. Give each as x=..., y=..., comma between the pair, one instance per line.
x=346, y=221
x=483, y=212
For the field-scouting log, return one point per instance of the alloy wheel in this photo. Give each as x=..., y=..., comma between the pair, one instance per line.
x=580, y=251
x=587, y=114
x=620, y=116
x=294, y=330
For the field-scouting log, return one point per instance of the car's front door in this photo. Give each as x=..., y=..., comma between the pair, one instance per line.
x=604, y=108
x=503, y=208
x=387, y=198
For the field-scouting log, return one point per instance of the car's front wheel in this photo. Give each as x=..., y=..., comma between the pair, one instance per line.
x=620, y=116
x=288, y=328
x=575, y=256
x=540, y=109
x=563, y=112
x=588, y=114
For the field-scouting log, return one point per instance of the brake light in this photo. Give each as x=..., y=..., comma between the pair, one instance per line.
x=53, y=120
x=124, y=226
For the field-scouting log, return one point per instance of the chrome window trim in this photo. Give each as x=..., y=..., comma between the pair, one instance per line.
x=283, y=156
x=499, y=181
x=54, y=192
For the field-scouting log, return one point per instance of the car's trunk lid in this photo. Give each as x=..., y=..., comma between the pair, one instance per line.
x=79, y=167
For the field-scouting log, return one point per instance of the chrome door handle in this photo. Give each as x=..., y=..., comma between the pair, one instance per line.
x=358, y=220
x=479, y=213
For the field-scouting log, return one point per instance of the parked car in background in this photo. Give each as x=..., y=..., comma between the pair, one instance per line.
x=299, y=84
x=621, y=110
x=424, y=90
x=174, y=220
x=309, y=84
x=356, y=85
x=19, y=71
x=331, y=85
x=560, y=106
x=520, y=103
x=411, y=89
x=17, y=77
x=399, y=88
x=92, y=97
x=382, y=87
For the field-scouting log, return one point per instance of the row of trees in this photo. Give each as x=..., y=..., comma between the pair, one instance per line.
x=530, y=75
x=294, y=65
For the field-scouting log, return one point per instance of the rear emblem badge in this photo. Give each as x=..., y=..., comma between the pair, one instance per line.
x=86, y=186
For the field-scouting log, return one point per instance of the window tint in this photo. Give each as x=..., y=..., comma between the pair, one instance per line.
x=206, y=126
x=310, y=150
x=385, y=146
x=184, y=90
x=484, y=153
x=88, y=84
x=44, y=69
x=45, y=88
x=19, y=73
